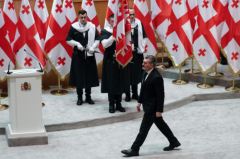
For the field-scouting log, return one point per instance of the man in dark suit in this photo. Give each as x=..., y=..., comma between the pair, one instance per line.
x=152, y=99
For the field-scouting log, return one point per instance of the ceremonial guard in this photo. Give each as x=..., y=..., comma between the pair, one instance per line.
x=84, y=38
x=139, y=41
x=115, y=78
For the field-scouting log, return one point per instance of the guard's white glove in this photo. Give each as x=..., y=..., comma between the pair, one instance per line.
x=80, y=47
x=91, y=50
x=132, y=47
x=139, y=51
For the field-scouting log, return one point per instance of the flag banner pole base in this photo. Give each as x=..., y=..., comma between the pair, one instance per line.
x=59, y=92
x=5, y=91
x=194, y=71
x=3, y=107
x=43, y=104
x=45, y=88
x=205, y=86
x=68, y=87
x=216, y=74
x=3, y=96
x=162, y=67
x=179, y=82
x=232, y=89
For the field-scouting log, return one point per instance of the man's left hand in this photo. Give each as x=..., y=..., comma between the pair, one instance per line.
x=158, y=114
x=91, y=50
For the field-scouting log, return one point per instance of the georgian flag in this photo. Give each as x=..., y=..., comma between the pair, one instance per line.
x=88, y=5
x=5, y=49
x=142, y=13
x=205, y=46
x=10, y=19
x=112, y=9
x=230, y=40
x=122, y=33
x=220, y=9
x=55, y=44
x=192, y=6
x=41, y=18
x=161, y=10
x=27, y=40
x=179, y=34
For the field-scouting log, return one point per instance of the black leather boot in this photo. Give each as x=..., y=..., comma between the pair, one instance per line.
x=111, y=108
x=89, y=100
x=119, y=107
x=128, y=97
x=80, y=101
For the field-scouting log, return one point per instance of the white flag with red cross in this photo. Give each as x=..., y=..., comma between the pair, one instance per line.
x=27, y=40
x=205, y=46
x=230, y=36
x=192, y=6
x=220, y=9
x=142, y=13
x=122, y=33
x=179, y=34
x=41, y=18
x=5, y=49
x=10, y=19
x=89, y=7
x=160, y=17
x=55, y=44
x=111, y=9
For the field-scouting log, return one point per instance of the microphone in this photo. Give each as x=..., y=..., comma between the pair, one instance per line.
x=9, y=64
x=37, y=60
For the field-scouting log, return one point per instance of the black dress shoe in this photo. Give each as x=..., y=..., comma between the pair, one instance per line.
x=128, y=97
x=171, y=147
x=80, y=101
x=119, y=107
x=130, y=152
x=89, y=100
x=111, y=108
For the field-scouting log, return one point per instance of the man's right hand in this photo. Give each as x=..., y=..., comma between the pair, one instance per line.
x=138, y=107
x=80, y=47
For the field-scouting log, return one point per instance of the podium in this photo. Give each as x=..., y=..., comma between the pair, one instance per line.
x=25, y=109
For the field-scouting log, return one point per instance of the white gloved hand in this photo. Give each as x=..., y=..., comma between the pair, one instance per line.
x=112, y=37
x=132, y=47
x=91, y=50
x=139, y=51
x=80, y=47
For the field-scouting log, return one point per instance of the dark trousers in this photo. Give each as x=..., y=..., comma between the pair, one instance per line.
x=148, y=120
x=134, y=89
x=87, y=92
x=112, y=98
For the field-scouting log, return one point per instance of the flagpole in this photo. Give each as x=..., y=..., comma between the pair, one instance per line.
x=180, y=81
x=192, y=71
x=205, y=85
x=59, y=92
x=233, y=88
x=216, y=74
x=3, y=106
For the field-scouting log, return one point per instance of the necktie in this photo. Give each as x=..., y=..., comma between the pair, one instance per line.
x=144, y=76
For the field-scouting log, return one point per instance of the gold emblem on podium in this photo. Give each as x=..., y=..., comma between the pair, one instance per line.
x=26, y=86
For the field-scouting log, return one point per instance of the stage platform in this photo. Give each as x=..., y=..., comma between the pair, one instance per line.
x=226, y=80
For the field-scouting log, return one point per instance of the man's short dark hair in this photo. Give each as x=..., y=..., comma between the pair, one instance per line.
x=111, y=16
x=152, y=59
x=82, y=12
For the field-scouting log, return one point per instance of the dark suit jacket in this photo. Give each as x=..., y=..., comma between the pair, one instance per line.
x=152, y=93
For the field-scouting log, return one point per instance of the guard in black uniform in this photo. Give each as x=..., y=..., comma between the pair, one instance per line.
x=83, y=36
x=139, y=41
x=115, y=78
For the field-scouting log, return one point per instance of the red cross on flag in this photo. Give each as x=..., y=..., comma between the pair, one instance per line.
x=112, y=5
x=122, y=33
x=160, y=17
x=88, y=5
x=5, y=49
x=205, y=46
x=192, y=7
x=142, y=13
x=69, y=11
x=41, y=18
x=179, y=34
x=10, y=18
x=56, y=48
x=220, y=8
x=230, y=36
x=27, y=38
